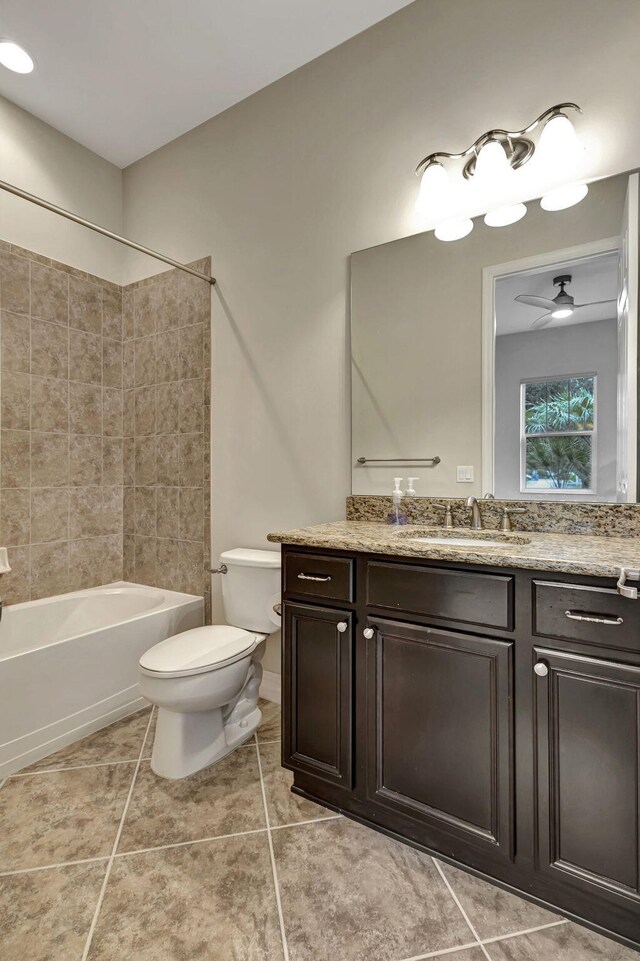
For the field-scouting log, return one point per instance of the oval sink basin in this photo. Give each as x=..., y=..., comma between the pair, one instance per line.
x=463, y=538
x=463, y=541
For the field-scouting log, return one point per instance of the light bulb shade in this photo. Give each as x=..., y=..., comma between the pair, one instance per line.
x=559, y=145
x=454, y=229
x=492, y=165
x=13, y=57
x=433, y=188
x=563, y=197
x=561, y=313
x=504, y=216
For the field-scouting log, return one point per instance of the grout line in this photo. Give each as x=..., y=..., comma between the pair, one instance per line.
x=461, y=909
x=442, y=952
x=115, y=845
x=72, y=767
x=48, y=867
x=276, y=740
x=518, y=934
x=274, y=870
x=297, y=824
x=182, y=844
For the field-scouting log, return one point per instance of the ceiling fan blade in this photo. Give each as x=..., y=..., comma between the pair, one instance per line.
x=541, y=321
x=534, y=301
x=593, y=303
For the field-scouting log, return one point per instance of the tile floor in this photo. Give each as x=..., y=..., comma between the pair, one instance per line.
x=102, y=861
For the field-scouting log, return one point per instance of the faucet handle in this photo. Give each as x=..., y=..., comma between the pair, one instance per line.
x=506, y=520
x=448, y=517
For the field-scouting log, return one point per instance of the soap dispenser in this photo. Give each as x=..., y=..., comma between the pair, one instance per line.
x=397, y=516
x=411, y=491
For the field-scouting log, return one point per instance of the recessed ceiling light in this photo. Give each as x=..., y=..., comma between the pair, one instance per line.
x=14, y=57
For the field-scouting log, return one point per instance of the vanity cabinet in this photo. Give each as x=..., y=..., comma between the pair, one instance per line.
x=489, y=716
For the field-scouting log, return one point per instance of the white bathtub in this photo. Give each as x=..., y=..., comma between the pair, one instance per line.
x=69, y=664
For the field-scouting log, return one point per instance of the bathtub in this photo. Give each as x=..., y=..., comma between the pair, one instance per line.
x=69, y=664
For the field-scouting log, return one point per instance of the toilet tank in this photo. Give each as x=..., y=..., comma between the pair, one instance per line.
x=250, y=588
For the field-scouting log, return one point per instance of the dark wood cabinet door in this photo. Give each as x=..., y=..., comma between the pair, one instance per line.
x=440, y=740
x=588, y=772
x=317, y=692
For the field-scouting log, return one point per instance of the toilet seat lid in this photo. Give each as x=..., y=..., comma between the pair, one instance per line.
x=199, y=650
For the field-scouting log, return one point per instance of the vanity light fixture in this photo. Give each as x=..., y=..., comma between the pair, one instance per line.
x=14, y=57
x=493, y=158
x=454, y=229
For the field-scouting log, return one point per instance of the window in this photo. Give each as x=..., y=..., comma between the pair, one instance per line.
x=558, y=434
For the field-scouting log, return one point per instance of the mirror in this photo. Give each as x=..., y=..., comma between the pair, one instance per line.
x=505, y=362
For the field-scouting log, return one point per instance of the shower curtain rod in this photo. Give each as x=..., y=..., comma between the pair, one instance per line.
x=32, y=198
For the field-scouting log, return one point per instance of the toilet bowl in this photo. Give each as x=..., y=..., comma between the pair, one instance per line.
x=206, y=681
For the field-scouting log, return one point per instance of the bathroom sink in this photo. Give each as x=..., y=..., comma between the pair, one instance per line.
x=462, y=538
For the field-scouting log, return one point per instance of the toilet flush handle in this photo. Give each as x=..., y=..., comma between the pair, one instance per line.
x=219, y=570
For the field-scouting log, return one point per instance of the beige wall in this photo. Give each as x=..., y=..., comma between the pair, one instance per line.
x=41, y=160
x=282, y=187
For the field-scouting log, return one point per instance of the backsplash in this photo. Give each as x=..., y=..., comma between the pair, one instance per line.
x=619, y=520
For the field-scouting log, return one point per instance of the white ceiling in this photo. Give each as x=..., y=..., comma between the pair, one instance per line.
x=593, y=279
x=124, y=77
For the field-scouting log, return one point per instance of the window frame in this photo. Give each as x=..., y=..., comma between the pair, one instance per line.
x=559, y=491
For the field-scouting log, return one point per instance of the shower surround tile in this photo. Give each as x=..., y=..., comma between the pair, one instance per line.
x=93, y=375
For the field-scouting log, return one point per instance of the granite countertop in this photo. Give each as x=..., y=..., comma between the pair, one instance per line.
x=569, y=553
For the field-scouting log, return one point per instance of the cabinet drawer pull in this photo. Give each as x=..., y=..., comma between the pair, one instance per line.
x=314, y=577
x=593, y=619
x=368, y=633
x=342, y=626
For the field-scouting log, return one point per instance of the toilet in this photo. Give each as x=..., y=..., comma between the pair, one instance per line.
x=205, y=681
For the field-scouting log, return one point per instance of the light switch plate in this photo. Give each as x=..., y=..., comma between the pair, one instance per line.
x=464, y=475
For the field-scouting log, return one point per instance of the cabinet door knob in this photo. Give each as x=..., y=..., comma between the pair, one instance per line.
x=342, y=626
x=368, y=633
x=541, y=669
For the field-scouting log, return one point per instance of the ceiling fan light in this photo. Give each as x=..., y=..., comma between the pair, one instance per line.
x=14, y=57
x=561, y=313
x=504, y=216
x=433, y=188
x=454, y=229
x=564, y=197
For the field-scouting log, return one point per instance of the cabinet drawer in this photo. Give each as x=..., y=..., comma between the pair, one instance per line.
x=485, y=600
x=558, y=607
x=319, y=575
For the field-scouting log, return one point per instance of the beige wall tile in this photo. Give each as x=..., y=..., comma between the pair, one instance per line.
x=128, y=413
x=49, y=349
x=145, y=361
x=167, y=307
x=144, y=311
x=191, y=514
x=49, y=459
x=145, y=411
x=112, y=461
x=85, y=512
x=191, y=405
x=16, y=400
x=14, y=283
x=128, y=322
x=169, y=460
x=168, y=564
x=128, y=462
x=15, y=524
x=128, y=558
x=145, y=560
x=49, y=569
x=167, y=408
x=128, y=364
x=15, y=336
x=145, y=461
x=15, y=471
x=112, y=363
x=195, y=300
x=112, y=313
x=191, y=352
x=85, y=356
x=85, y=408
x=49, y=294
x=49, y=404
x=49, y=514
x=191, y=557
x=167, y=505
x=167, y=356
x=85, y=460
x=112, y=412
x=191, y=460
x=85, y=305
x=16, y=585
x=145, y=511
x=128, y=509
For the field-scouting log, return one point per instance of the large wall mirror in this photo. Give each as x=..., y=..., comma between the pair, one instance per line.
x=505, y=362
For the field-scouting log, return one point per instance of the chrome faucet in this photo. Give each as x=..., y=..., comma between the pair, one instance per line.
x=476, y=517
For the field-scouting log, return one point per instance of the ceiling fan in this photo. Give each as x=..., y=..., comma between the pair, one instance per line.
x=562, y=305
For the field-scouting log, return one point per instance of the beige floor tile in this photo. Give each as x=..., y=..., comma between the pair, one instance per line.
x=118, y=742
x=223, y=799
x=211, y=902
x=269, y=730
x=283, y=806
x=351, y=893
x=61, y=816
x=46, y=915
x=565, y=942
x=492, y=911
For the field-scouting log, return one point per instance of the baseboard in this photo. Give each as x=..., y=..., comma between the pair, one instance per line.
x=271, y=687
